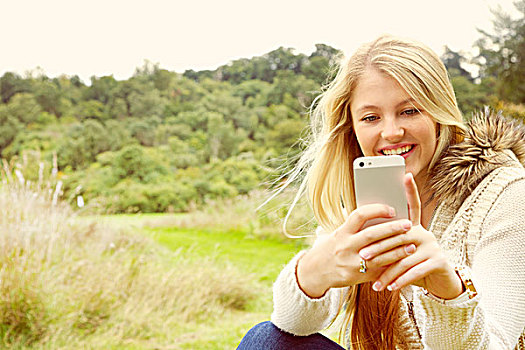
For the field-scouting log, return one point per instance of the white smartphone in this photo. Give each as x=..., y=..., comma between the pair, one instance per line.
x=380, y=180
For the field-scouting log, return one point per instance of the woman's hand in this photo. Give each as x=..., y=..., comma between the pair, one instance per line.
x=427, y=267
x=334, y=261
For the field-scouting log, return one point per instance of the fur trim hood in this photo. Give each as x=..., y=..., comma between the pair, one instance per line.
x=491, y=141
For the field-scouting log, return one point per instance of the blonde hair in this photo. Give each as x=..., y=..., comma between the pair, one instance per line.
x=328, y=160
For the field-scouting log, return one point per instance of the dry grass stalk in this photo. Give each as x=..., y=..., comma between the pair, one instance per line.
x=67, y=284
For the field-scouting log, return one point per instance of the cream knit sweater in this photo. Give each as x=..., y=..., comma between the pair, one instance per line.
x=487, y=234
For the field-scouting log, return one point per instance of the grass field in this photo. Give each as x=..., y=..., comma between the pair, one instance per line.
x=259, y=260
x=187, y=281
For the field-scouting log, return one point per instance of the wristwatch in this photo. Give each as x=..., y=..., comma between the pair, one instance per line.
x=466, y=279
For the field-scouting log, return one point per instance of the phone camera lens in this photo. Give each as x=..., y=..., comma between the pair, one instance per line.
x=361, y=164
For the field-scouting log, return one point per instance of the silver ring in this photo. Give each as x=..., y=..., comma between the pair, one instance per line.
x=362, y=266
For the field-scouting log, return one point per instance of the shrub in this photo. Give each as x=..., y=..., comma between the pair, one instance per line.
x=134, y=162
x=132, y=197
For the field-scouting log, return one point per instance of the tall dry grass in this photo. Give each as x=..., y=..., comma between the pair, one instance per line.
x=68, y=284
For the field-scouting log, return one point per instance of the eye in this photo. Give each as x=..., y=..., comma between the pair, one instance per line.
x=369, y=118
x=410, y=111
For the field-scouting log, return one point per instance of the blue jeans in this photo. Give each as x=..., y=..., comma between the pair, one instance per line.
x=266, y=336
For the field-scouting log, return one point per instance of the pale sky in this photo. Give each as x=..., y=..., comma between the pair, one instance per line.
x=113, y=37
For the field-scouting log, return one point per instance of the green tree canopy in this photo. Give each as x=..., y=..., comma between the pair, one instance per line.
x=501, y=53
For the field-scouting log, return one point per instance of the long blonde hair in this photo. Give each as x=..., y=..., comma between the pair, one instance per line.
x=329, y=185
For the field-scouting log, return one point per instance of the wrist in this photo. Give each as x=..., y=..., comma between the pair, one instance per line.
x=307, y=280
x=450, y=290
x=457, y=288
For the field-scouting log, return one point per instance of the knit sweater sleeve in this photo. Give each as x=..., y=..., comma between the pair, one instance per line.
x=496, y=317
x=295, y=312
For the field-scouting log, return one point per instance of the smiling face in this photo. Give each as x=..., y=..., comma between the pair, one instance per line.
x=387, y=121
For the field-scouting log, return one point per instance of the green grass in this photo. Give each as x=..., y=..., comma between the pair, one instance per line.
x=127, y=282
x=264, y=258
x=144, y=281
x=260, y=260
x=147, y=281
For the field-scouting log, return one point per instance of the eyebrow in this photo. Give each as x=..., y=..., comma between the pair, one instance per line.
x=411, y=100
x=365, y=107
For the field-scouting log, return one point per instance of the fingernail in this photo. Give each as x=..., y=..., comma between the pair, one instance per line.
x=410, y=249
x=392, y=287
x=377, y=286
x=392, y=212
x=364, y=254
x=407, y=225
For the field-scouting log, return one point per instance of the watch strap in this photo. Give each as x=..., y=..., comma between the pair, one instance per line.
x=466, y=279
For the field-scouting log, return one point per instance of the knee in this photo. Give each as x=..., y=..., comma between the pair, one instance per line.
x=266, y=326
x=266, y=335
x=263, y=333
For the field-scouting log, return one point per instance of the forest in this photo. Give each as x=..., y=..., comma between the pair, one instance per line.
x=162, y=141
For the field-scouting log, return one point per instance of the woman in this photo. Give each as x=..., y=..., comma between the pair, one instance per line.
x=453, y=277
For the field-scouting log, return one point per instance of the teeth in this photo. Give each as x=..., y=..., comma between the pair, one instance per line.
x=396, y=151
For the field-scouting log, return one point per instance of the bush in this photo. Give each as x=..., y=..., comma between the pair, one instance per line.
x=132, y=197
x=135, y=163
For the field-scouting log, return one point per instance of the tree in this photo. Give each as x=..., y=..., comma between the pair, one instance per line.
x=321, y=63
x=134, y=162
x=237, y=71
x=102, y=89
x=82, y=143
x=9, y=127
x=24, y=107
x=471, y=97
x=120, y=136
x=255, y=90
x=285, y=59
x=223, y=139
x=285, y=135
x=125, y=90
x=295, y=91
x=11, y=84
x=146, y=103
x=233, y=176
x=92, y=109
x=198, y=76
x=317, y=69
x=326, y=51
x=143, y=131
x=163, y=79
x=453, y=61
x=501, y=54
x=49, y=96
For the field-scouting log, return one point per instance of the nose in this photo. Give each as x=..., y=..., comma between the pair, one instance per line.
x=392, y=130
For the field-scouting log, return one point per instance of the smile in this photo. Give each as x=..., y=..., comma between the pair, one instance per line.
x=397, y=151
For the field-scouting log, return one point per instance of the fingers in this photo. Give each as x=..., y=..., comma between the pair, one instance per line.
x=414, y=203
x=361, y=215
x=389, y=278
x=383, y=237
x=411, y=275
x=392, y=256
